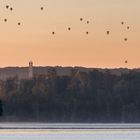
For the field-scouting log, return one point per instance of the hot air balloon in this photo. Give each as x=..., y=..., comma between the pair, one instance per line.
x=7, y=6
x=81, y=19
x=19, y=23
x=87, y=33
x=126, y=61
x=42, y=8
x=125, y=39
x=11, y=9
x=87, y=22
x=69, y=28
x=122, y=22
x=108, y=32
x=5, y=20
x=53, y=33
x=128, y=27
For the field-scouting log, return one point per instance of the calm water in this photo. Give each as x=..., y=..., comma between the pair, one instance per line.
x=67, y=134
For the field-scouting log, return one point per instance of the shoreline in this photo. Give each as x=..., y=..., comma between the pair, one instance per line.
x=68, y=126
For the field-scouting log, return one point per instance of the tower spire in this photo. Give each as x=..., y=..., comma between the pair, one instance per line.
x=30, y=69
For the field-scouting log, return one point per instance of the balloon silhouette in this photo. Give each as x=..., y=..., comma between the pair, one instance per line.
x=19, y=23
x=125, y=39
x=108, y=32
x=42, y=8
x=7, y=6
x=5, y=20
x=81, y=19
x=126, y=61
x=11, y=9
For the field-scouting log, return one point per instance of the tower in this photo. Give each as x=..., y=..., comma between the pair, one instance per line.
x=30, y=70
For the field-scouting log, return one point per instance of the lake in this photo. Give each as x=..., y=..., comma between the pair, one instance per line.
x=42, y=131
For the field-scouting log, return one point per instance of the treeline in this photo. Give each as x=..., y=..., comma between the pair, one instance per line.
x=92, y=96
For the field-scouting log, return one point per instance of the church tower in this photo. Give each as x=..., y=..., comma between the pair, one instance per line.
x=30, y=70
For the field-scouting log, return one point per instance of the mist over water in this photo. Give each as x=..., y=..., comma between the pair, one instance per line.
x=69, y=134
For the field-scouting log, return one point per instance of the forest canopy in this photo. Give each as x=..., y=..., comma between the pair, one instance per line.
x=91, y=96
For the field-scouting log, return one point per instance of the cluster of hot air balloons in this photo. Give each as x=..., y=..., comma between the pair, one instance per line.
x=87, y=22
x=11, y=9
x=125, y=39
x=8, y=7
x=69, y=28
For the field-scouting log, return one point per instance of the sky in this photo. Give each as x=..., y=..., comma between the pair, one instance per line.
x=33, y=39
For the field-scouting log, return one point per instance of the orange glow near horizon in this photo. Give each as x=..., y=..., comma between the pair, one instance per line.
x=33, y=39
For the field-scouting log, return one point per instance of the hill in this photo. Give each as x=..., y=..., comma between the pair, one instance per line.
x=22, y=72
